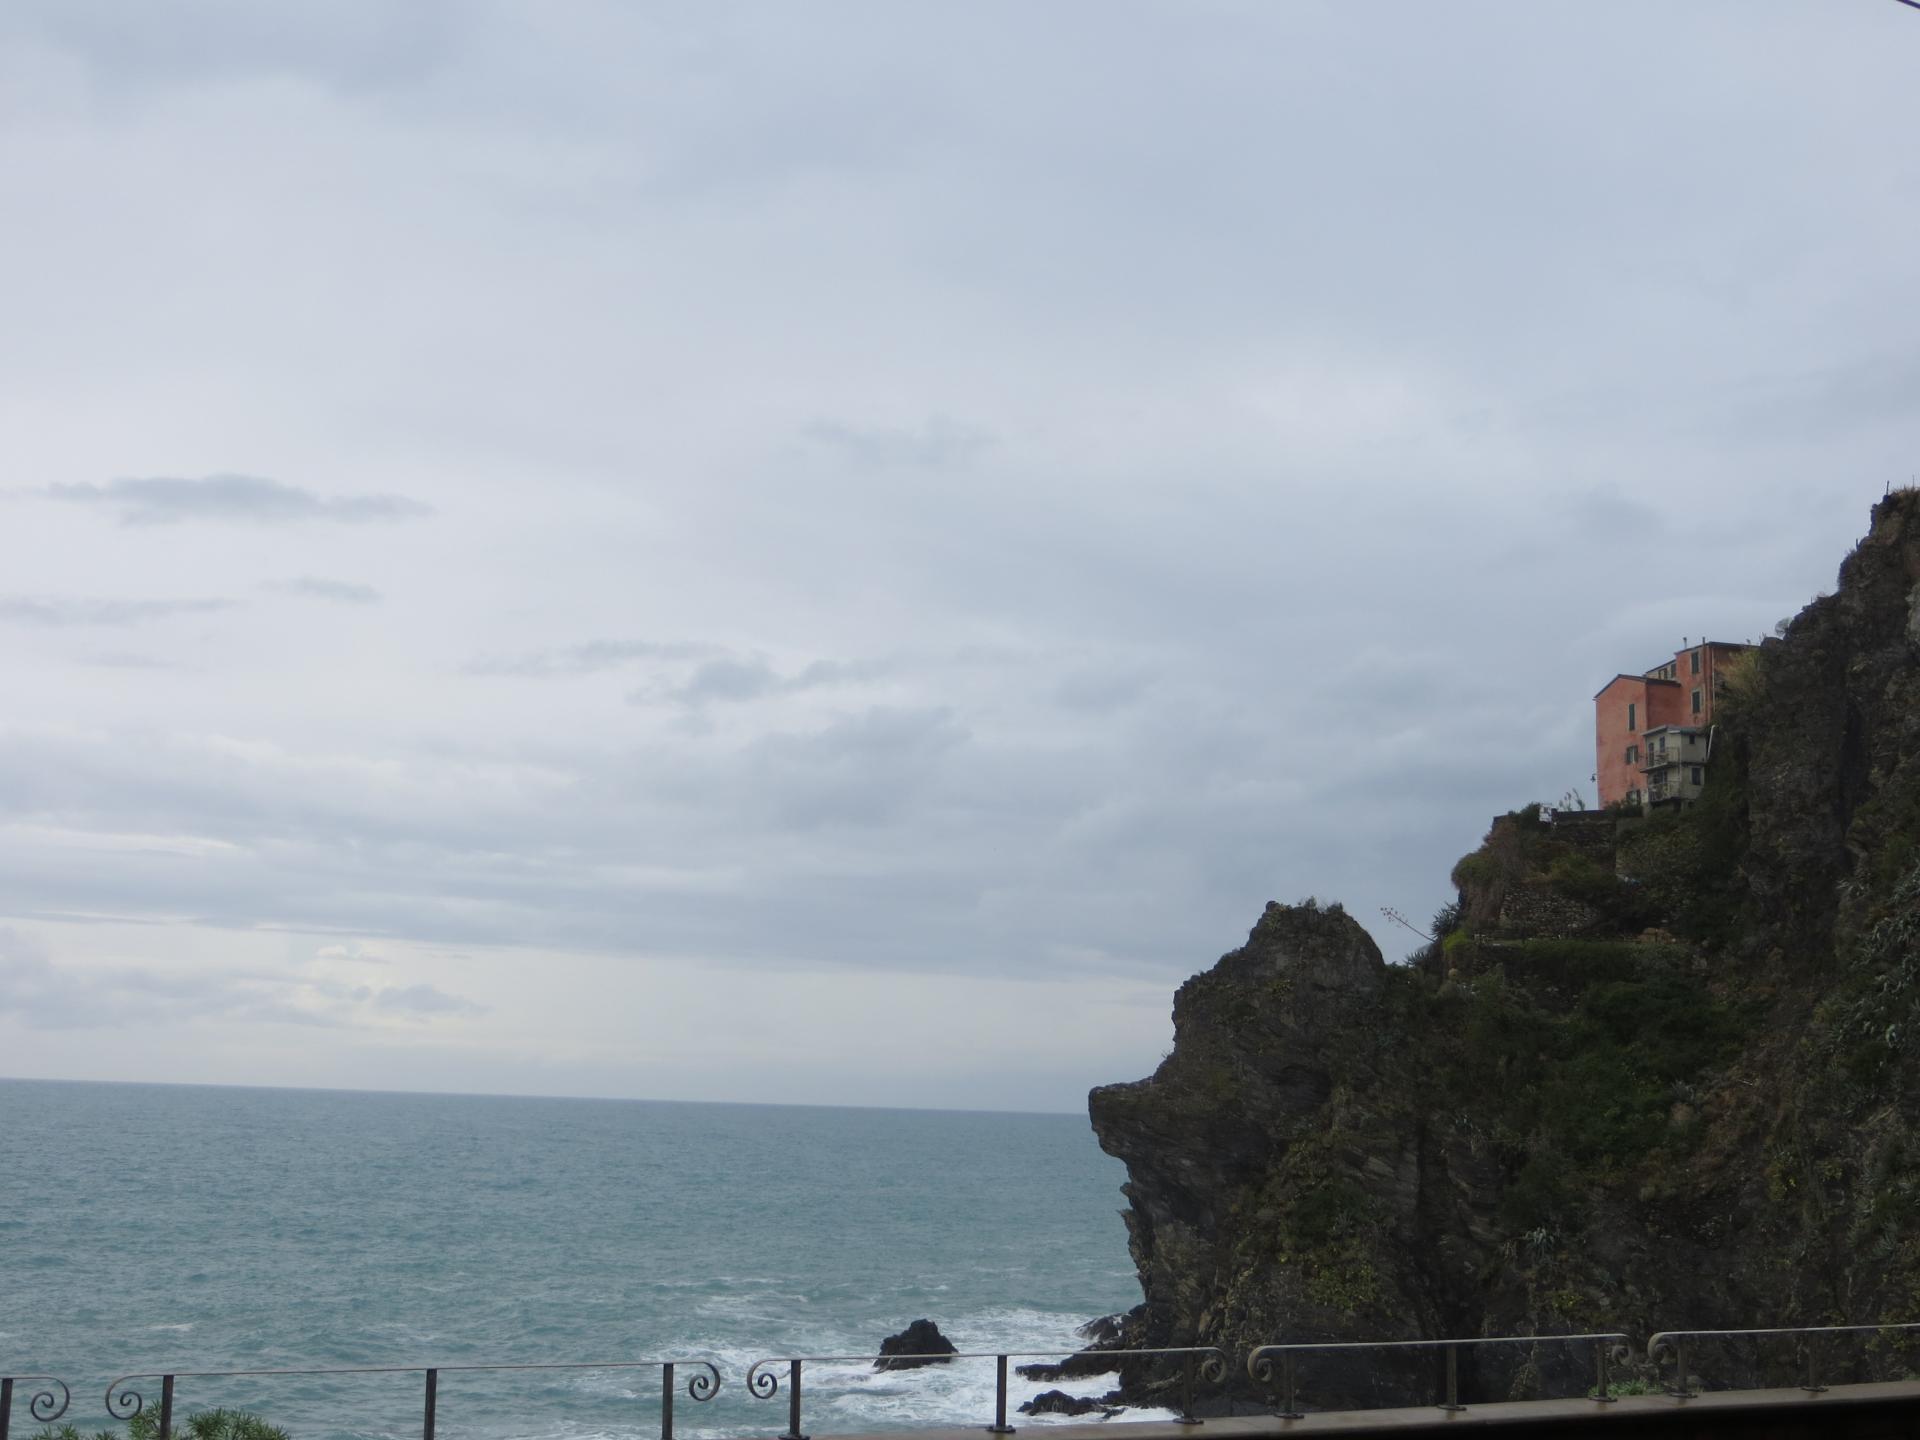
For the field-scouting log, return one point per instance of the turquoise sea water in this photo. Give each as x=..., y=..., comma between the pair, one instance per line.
x=189, y=1228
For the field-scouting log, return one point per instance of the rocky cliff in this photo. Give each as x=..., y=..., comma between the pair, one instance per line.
x=1653, y=1072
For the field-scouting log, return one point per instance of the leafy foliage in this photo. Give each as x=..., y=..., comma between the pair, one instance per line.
x=221, y=1424
x=1575, y=1080
x=1873, y=1017
x=1686, y=863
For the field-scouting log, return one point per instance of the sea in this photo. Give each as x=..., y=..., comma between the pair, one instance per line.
x=162, y=1228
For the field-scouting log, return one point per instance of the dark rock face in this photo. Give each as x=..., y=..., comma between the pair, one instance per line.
x=921, y=1343
x=1075, y=1367
x=1249, y=1087
x=1105, y=1331
x=1058, y=1402
x=1683, y=1091
x=1839, y=724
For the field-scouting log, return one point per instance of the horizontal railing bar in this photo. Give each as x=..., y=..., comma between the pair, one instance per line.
x=1666, y=1337
x=1290, y=1349
x=983, y=1355
x=410, y=1369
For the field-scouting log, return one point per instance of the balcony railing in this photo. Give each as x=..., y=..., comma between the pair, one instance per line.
x=1808, y=1338
x=1275, y=1368
x=1282, y=1377
x=124, y=1402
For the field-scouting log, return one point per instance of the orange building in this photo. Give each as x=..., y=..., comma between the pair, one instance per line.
x=1653, y=732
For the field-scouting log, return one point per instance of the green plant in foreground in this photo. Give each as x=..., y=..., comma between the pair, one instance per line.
x=219, y=1424
x=1636, y=1386
x=73, y=1432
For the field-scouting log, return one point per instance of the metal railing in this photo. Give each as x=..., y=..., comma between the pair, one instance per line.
x=124, y=1402
x=1609, y=1349
x=763, y=1381
x=44, y=1406
x=1675, y=1343
x=1274, y=1368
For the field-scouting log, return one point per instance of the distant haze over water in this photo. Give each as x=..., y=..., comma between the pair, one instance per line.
x=148, y=1227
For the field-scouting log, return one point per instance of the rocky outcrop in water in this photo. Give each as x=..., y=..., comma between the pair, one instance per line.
x=1653, y=1072
x=1059, y=1402
x=921, y=1343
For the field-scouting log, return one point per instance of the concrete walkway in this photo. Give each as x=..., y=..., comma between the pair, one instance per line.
x=1882, y=1410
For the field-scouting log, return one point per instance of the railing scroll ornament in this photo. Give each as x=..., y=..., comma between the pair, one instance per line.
x=43, y=1405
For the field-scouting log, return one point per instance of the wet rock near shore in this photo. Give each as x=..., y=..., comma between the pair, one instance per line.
x=1075, y=1367
x=921, y=1343
x=1058, y=1402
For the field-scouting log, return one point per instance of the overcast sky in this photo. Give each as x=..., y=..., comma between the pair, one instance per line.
x=837, y=552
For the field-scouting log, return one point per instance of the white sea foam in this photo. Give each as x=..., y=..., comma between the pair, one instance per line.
x=852, y=1396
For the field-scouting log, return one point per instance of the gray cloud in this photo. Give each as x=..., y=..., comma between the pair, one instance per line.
x=126, y=660
x=345, y=592
x=736, y=679
x=589, y=659
x=249, y=499
x=350, y=46
x=939, y=444
x=421, y=1001
x=34, y=986
x=63, y=611
x=1224, y=539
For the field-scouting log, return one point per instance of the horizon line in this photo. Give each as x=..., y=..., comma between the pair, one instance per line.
x=515, y=1095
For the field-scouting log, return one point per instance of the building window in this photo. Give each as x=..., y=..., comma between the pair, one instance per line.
x=1633, y=753
x=1696, y=702
x=1695, y=661
x=1698, y=773
x=1630, y=724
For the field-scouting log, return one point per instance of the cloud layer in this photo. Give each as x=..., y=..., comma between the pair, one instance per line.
x=245, y=499
x=759, y=551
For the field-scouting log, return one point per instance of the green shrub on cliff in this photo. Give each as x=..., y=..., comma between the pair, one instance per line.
x=1686, y=862
x=1873, y=1017
x=1595, y=1081
x=1324, y=1227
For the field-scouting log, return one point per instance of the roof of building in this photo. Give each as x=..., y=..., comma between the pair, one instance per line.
x=1703, y=645
x=1641, y=679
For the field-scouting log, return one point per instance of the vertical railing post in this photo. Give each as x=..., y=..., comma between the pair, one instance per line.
x=1453, y=1380
x=793, y=1403
x=1186, y=1415
x=6, y=1404
x=1290, y=1375
x=166, y=1407
x=433, y=1394
x=999, y=1425
x=666, y=1400
x=1682, y=1382
x=1602, y=1380
x=1813, y=1385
